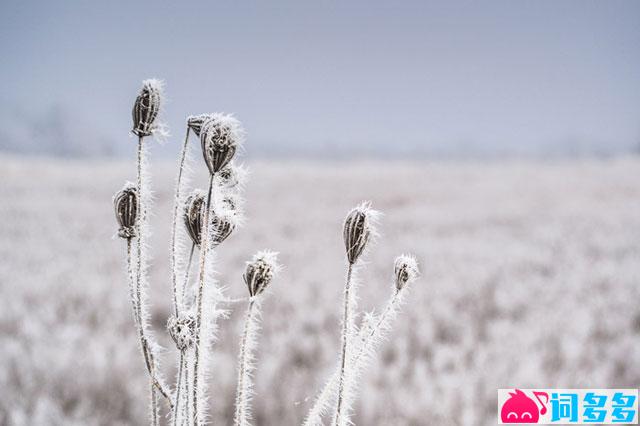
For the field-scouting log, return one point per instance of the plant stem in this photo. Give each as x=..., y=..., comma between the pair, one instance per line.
x=346, y=334
x=178, y=387
x=141, y=219
x=243, y=385
x=154, y=404
x=186, y=274
x=146, y=350
x=132, y=284
x=203, y=255
x=187, y=394
x=183, y=360
x=174, y=227
x=366, y=341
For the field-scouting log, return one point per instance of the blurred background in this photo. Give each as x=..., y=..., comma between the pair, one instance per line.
x=500, y=139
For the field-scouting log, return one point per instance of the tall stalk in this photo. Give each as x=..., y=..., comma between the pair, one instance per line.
x=178, y=305
x=260, y=271
x=243, y=391
x=206, y=241
x=182, y=380
x=174, y=225
x=178, y=389
x=147, y=350
x=347, y=327
x=187, y=271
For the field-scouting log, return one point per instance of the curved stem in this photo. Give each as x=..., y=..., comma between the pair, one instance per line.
x=203, y=256
x=174, y=227
x=374, y=330
x=346, y=331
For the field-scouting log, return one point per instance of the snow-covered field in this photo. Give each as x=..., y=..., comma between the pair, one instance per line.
x=531, y=278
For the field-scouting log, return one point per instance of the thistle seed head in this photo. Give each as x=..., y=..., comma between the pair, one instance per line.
x=194, y=216
x=182, y=330
x=125, y=203
x=220, y=136
x=359, y=226
x=405, y=270
x=260, y=271
x=146, y=107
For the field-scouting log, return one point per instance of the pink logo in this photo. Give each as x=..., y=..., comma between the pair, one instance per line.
x=519, y=408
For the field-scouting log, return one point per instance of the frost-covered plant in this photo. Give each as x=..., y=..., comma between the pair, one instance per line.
x=144, y=114
x=208, y=221
x=358, y=228
x=258, y=275
x=209, y=218
x=358, y=345
x=131, y=205
x=220, y=137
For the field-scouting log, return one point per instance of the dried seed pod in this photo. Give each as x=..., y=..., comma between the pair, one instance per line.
x=260, y=271
x=220, y=136
x=358, y=228
x=223, y=226
x=146, y=107
x=182, y=330
x=195, y=122
x=194, y=216
x=125, y=203
x=405, y=270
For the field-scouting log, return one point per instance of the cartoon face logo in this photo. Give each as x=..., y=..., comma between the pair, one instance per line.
x=519, y=408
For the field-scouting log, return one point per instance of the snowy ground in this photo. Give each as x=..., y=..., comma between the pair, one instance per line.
x=531, y=276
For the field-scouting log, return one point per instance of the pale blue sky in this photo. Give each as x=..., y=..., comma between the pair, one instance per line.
x=328, y=78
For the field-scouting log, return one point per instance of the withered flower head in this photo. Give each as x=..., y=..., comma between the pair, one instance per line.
x=194, y=216
x=126, y=209
x=405, y=270
x=146, y=107
x=220, y=136
x=260, y=271
x=359, y=226
x=182, y=330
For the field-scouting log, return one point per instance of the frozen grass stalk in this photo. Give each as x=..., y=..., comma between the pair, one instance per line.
x=357, y=231
x=145, y=112
x=131, y=205
x=258, y=275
